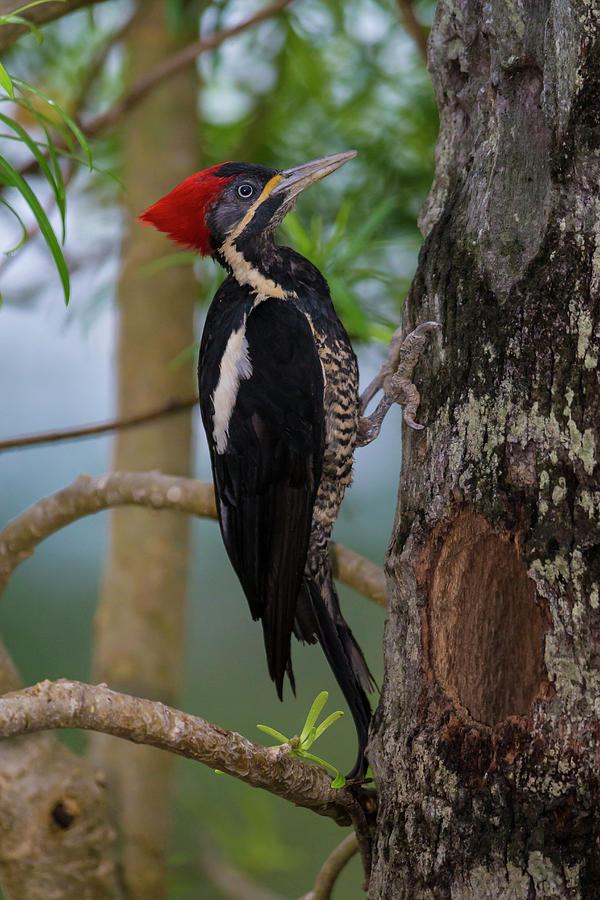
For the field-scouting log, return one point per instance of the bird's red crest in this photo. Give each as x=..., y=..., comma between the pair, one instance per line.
x=181, y=214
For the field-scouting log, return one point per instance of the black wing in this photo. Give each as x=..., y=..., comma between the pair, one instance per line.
x=268, y=466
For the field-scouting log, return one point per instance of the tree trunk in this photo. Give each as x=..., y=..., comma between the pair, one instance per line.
x=140, y=619
x=486, y=741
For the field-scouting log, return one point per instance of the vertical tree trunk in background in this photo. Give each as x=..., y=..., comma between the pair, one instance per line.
x=486, y=741
x=139, y=625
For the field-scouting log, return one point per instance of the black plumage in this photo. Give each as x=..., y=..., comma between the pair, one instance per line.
x=278, y=385
x=266, y=480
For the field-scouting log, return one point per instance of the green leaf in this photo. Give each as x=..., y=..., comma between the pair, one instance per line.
x=24, y=86
x=6, y=82
x=11, y=177
x=43, y=120
x=273, y=733
x=21, y=9
x=21, y=223
x=328, y=722
x=313, y=714
x=339, y=780
x=54, y=180
x=13, y=19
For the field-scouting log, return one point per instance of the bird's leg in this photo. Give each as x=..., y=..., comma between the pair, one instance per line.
x=394, y=378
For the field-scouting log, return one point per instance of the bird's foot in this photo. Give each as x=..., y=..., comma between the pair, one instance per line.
x=395, y=379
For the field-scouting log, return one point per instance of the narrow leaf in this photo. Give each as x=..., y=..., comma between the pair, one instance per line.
x=24, y=86
x=273, y=733
x=324, y=763
x=13, y=19
x=21, y=9
x=326, y=723
x=6, y=82
x=44, y=121
x=313, y=714
x=57, y=186
x=12, y=177
x=21, y=223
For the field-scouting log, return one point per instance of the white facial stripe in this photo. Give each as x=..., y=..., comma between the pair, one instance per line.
x=245, y=273
x=235, y=367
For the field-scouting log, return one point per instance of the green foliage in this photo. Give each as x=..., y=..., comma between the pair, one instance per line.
x=15, y=18
x=44, y=153
x=309, y=734
x=332, y=76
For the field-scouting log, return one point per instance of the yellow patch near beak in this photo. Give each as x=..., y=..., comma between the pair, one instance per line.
x=273, y=182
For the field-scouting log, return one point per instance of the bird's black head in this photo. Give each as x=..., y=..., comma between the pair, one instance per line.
x=234, y=202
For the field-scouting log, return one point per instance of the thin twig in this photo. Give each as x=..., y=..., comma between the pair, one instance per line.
x=418, y=32
x=99, y=59
x=68, y=434
x=174, y=64
x=86, y=495
x=229, y=880
x=163, y=71
x=332, y=867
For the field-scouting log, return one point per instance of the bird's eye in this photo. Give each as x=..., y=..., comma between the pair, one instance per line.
x=245, y=190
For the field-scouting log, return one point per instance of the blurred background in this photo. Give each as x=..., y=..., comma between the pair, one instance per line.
x=317, y=77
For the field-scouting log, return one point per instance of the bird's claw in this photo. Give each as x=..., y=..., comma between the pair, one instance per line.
x=395, y=379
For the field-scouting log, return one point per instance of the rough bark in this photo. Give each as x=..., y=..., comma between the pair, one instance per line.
x=72, y=704
x=140, y=619
x=486, y=741
x=56, y=840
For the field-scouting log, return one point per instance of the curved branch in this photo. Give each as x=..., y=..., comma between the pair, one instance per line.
x=331, y=868
x=89, y=495
x=72, y=704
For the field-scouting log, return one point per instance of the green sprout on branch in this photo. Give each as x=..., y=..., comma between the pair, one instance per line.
x=311, y=731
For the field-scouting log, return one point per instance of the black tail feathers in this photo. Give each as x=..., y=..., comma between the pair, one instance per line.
x=318, y=617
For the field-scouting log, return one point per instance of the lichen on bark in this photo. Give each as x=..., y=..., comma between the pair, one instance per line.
x=485, y=744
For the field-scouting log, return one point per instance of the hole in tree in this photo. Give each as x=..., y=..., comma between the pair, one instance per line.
x=64, y=813
x=487, y=631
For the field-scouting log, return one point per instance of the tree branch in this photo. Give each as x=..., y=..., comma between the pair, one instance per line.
x=168, y=67
x=67, y=434
x=229, y=880
x=331, y=868
x=418, y=32
x=88, y=495
x=72, y=704
x=39, y=15
x=164, y=70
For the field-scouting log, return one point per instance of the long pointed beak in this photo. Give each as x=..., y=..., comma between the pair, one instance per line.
x=296, y=179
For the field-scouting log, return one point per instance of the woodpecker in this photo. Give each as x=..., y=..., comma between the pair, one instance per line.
x=278, y=384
